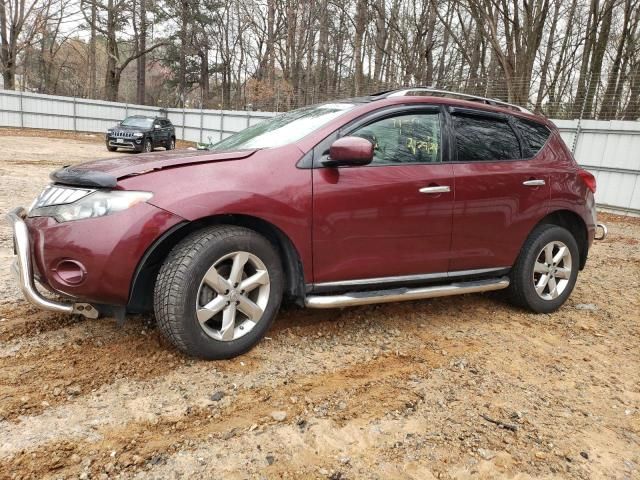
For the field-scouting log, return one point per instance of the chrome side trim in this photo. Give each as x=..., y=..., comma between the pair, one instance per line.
x=605, y=231
x=23, y=269
x=403, y=294
x=362, y=282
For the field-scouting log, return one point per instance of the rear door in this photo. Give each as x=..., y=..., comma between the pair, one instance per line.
x=390, y=218
x=166, y=131
x=502, y=190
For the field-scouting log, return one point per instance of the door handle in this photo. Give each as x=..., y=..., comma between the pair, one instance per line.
x=436, y=189
x=533, y=183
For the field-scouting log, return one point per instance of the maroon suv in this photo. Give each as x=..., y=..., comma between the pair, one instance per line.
x=401, y=195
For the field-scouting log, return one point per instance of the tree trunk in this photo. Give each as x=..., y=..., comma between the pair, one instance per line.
x=112, y=76
x=93, y=93
x=598, y=56
x=361, y=25
x=182, y=63
x=322, y=66
x=7, y=55
x=592, y=28
x=141, y=62
x=611, y=97
x=271, y=54
x=544, y=69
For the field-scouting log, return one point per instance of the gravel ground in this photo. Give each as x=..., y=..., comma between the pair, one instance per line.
x=458, y=387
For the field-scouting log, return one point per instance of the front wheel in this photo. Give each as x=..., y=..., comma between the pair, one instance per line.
x=218, y=292
x=148, y=146
x=546, y=270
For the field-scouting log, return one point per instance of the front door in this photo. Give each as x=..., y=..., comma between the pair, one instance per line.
x=500, y=193
x=392, y=217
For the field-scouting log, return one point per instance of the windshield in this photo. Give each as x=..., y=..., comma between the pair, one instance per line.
x=285, y=128
x=141, y=122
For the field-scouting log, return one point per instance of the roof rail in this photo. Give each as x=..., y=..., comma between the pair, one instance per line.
x=428, y=90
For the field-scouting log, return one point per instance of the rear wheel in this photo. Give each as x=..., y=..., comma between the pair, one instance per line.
x=546, y=270
x=171, y=144
x=218, y=292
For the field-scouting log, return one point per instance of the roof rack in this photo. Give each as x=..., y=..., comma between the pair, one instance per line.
x=489, y=101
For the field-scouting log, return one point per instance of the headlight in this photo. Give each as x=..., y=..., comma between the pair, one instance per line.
x=96, y=204
x=109, y=132
x=138, y=134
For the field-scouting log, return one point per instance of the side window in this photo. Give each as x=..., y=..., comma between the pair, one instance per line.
x=482, y=138
x=411, y=138
x=534, y=135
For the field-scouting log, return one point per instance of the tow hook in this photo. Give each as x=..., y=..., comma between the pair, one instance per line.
x=602, y=228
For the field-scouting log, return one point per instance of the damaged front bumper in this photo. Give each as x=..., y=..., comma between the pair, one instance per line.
x=23, y=270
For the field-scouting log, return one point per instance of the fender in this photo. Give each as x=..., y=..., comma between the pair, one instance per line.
x=252, y=187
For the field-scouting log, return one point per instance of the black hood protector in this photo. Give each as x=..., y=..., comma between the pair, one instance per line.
x=83, y=178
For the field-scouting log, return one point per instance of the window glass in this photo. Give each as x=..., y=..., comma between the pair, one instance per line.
x=283, y=129
x=481, y=138
x=142, y=122
x=533, y=134
x=404, y=139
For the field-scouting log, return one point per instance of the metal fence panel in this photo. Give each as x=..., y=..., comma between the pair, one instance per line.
x=609, y=149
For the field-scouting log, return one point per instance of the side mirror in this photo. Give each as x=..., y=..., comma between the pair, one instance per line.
x=350, y=151
x=157, y=127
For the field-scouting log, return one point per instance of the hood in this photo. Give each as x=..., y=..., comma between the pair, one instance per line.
x=105, y=173
x=126, y=128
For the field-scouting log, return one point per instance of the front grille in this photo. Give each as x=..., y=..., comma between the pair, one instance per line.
x=53, y=195
x=123, y=133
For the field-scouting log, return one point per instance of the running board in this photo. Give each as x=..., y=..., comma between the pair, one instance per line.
x=402, y=294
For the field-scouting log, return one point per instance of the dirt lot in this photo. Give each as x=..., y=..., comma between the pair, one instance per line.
x=464, y=387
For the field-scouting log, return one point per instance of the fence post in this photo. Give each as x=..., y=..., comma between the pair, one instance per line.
x=183, y=122
x=201, y=119
x=21, y=111
x=248, y=118
x=75, y=129
x=579, y=126
x=221, y=124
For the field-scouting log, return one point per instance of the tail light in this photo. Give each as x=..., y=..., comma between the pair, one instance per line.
x=588, y=179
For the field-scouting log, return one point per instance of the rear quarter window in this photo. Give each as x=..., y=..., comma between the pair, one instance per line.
x=484, y=139
x=534, y=136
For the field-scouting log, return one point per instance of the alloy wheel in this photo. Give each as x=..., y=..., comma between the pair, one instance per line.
x=552, y=270
x=232, y=296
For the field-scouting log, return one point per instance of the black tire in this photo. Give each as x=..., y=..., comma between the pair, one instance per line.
x=171, y=144
x=178, y=284
x=522, y=291
x=148, y=145
x=112, y=149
